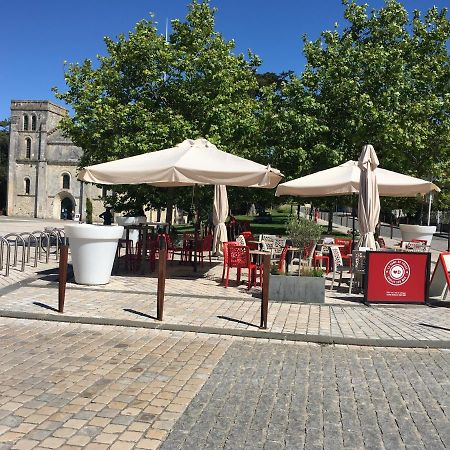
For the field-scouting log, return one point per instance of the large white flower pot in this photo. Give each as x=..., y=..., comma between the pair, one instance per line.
x=132, y=234
x=410, y=232
x=93, y=249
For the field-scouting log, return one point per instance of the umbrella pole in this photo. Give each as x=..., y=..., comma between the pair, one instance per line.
x=353, y=222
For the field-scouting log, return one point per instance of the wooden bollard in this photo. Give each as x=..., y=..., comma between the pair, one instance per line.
x=161, y=278
x=265, y=292
x=62, y=279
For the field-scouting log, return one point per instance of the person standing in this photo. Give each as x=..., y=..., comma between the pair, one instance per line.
x=107, y=216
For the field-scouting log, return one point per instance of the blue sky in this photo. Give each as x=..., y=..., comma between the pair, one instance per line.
x=38, y=36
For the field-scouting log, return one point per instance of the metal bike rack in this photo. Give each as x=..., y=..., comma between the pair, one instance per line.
x=15, y=242
x=4, y=243
x=43, y=238
x=31, y=237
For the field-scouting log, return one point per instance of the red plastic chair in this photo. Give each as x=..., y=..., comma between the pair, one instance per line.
x=151, y=251
x=346, y=251
x=239, y=258
x=226, y=245
x=205, y=245
x=189, y=243
x=316, y=257
x=282, y=260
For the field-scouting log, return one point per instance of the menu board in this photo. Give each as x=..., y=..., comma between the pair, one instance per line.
x=397, y=277
x=440, y=280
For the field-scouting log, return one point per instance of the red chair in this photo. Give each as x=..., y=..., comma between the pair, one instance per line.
x=172, y=250
x=282, y=260
x=189, y=243
x=205, y=245
x=239, y=258
x=316, y=257
x=226, y=245
x=346, y=250
x=381, y=242
x=151, y=251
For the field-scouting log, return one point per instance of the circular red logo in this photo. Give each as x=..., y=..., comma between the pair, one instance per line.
x=397, y=272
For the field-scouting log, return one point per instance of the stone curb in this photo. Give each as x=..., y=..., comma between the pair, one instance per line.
x=258, y=334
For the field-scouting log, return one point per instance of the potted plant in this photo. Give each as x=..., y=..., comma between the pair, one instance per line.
x=306, y=284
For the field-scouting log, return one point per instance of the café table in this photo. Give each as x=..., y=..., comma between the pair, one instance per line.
x=258, y=260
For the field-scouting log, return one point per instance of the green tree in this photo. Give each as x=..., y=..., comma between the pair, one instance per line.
x=384, y=80
x=147, y=94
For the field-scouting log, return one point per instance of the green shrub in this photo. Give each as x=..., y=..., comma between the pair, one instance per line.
x=303, y=231
x=88, y=210
x=311, y=272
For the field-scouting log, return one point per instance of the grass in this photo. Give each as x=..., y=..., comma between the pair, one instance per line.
x=280, y=217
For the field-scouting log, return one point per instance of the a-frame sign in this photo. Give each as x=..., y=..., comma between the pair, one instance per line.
x=440, y=280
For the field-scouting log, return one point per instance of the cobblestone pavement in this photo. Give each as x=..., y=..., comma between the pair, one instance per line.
x=78, y=386
x=204, y=302
x=275, y=396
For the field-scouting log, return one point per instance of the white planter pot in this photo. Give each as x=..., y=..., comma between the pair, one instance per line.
x=410, y=232
x=93, y=249
x=136, y=220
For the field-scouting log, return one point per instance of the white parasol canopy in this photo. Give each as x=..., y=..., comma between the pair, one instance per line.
x=188, y=163
x=369, y=200
x=345, y=179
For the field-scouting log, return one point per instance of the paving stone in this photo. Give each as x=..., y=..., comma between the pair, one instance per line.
x=292, y=390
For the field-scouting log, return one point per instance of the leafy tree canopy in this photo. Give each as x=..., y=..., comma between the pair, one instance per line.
x=147, y=94
x=384, y=80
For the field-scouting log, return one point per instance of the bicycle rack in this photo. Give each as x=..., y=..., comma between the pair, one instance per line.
x=28, y=240
x=43, y=235
x=16, y=248
x=5, y=243
x=59, y=236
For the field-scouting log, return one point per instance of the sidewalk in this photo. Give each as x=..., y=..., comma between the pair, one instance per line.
x=199, y=303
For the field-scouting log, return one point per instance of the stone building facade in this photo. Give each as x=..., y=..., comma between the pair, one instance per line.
x=42, y=175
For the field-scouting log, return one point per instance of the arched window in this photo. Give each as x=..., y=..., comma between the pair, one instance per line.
x=28, y=148
x=26, y=123
x=33, y=123
x=66, y=181
x=27, y=186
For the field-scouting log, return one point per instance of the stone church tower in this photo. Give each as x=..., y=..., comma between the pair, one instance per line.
x=42, y=175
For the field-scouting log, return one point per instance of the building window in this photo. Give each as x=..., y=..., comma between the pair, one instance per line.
x=28, y=148
x=27, y=186
x=66, y=181
x=33, y=123
x=25, y=122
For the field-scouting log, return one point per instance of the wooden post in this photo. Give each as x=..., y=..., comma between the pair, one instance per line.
x=448, y=240
x=392, y=228
x=265, y=292
x=161, y=278
x=62, y=280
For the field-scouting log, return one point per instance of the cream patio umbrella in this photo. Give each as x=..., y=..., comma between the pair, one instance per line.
x=345, y=179
x=369, y=199
x=189, y=163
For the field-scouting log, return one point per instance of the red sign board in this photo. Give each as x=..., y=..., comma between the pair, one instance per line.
x=397, y=277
